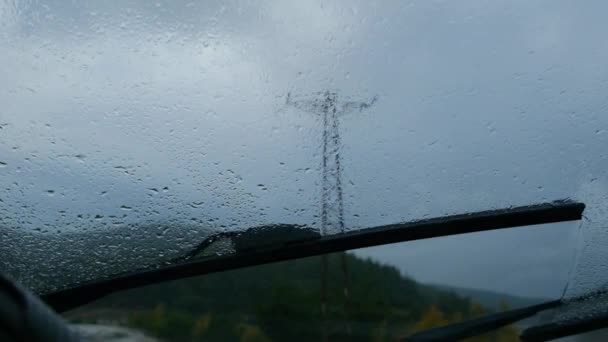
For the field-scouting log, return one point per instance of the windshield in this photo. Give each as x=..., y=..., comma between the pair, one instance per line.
x=130, y=133
x=372, y=301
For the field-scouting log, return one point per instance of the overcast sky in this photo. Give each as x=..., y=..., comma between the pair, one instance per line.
x=175, y=111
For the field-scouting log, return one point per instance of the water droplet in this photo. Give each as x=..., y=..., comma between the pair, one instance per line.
x=196, y=204
x=50, y=192
x=2, y=164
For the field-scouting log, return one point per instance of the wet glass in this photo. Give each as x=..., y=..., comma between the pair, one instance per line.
x=376, y=294
x=131, y=131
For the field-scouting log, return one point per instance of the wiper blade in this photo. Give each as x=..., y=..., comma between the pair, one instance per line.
x=553, y=331
x=575, y=316
x=558, y=211
x=481, y=325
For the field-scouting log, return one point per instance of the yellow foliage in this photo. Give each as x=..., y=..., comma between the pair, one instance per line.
x=432, y=318
x=477, y=310
x=158, y=318
x=201, y=325
x=251, y=333
x=159, y=313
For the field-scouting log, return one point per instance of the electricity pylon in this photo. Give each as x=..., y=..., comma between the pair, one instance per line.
x=329, y=109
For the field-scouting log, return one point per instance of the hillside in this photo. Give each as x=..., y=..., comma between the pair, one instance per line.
x=282, y=301
x=490, y=299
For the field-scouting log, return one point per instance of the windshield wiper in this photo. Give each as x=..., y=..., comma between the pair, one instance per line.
x=578, y=315
x=553, y=331
x=558, y=211
x=582, y=315
x=481, y=325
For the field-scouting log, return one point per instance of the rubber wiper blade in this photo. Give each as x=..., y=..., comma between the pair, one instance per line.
x=481, y=325
x=558, y=211
x=553, y=331
x=575, y=316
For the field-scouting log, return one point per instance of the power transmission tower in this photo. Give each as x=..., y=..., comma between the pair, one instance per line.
x=329, y=109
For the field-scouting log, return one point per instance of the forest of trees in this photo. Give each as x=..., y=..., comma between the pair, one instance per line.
x=282, y=301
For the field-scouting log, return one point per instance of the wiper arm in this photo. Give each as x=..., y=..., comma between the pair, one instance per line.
x=481, y=325
x=558, y=211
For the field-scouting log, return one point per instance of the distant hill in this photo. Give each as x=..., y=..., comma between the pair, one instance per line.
x=282, y=301
x=490, y=299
